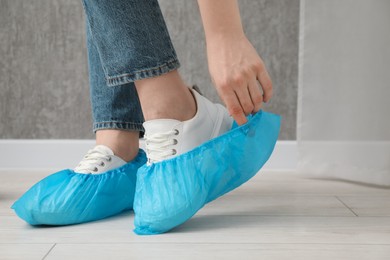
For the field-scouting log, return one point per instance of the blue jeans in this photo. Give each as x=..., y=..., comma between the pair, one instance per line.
x=127, y=40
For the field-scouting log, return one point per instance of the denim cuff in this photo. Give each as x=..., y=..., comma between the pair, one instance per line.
x=129, y=126
x=143, y=74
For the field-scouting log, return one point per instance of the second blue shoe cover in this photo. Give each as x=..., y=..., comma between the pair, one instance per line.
x=66, y=197
x=170, y=192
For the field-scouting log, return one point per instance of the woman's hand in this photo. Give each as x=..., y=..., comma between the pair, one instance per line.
x=239, y=75
x=235, y=67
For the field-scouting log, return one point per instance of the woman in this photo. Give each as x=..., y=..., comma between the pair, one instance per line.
x=136, y=89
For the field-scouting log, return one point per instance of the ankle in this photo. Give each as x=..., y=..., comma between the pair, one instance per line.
x=124, y=144
x=124, y=153
x=182, y=108
x=166, y=96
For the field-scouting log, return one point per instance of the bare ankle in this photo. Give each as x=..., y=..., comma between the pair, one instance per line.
x=124, y=144
x=166, y=96
x=181, y=109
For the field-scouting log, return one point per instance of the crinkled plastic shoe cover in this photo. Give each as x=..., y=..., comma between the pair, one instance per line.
x=170, y=192
x=66, y=197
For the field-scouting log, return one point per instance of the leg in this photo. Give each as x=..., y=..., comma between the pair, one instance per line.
x=131, y=38
x=116, y=111
x=138, y=51
x=68, y=197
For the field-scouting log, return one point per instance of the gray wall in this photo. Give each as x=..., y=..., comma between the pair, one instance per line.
x=43, y=69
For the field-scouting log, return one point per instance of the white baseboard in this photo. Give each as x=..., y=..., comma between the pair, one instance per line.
x=20, y=154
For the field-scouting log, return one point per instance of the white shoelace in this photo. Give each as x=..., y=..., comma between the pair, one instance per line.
x=158, y=145
x=91, y=160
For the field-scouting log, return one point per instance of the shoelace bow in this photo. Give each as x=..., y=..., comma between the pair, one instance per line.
x=91, y=159
x=157, y=145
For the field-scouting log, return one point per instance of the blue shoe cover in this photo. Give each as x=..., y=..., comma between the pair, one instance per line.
x=66, y=197
x=170, y=192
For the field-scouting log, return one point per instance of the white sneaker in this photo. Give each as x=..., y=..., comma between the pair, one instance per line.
x=98, y=160
x=167, y=138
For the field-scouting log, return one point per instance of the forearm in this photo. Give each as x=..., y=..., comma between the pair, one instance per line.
x=221, y=18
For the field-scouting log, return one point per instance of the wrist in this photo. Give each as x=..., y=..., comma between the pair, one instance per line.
x=222, y=36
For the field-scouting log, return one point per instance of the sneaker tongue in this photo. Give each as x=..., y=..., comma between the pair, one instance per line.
x=160, y=125
x=104, y=149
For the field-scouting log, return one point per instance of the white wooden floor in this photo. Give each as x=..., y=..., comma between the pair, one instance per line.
x=276, y=215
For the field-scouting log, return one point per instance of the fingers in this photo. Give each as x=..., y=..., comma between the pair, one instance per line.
x=266, y=84
x=255, y=95
x=245, y=100
x=234, y=107
x=245, y=93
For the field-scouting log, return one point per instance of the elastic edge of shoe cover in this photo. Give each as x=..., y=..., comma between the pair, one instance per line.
x=231, y=133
